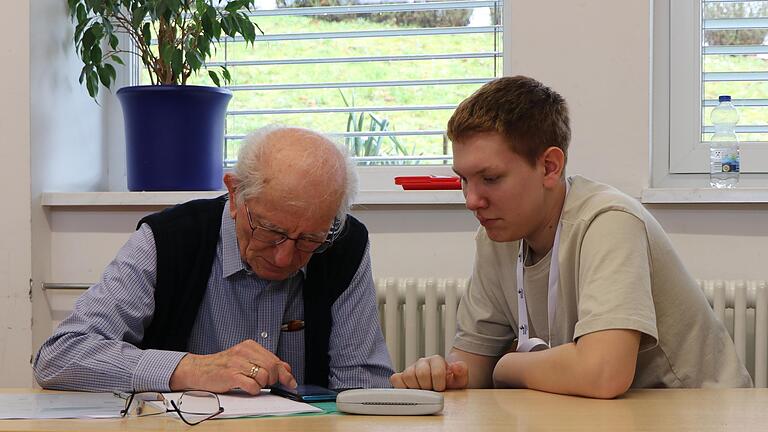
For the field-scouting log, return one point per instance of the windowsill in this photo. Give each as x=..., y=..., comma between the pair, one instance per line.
x=739, y=195
x=151, y=199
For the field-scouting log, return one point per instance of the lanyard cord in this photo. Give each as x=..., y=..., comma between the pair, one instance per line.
x=524, y=342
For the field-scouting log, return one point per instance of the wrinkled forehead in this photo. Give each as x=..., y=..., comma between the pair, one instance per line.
x=294, y=210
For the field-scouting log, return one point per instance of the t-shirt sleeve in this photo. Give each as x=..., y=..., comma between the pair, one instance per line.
x=483, y=327
x=615, y=278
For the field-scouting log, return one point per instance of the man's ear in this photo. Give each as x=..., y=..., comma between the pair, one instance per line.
x=231, y=183
x=553, y=160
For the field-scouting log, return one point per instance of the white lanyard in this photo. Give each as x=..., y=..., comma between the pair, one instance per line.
x=524, y=342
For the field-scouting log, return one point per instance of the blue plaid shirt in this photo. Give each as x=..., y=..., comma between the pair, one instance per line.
x=95, y=347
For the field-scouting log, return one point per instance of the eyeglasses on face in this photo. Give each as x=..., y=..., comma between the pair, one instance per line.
x=193, y=406
x=274, y=238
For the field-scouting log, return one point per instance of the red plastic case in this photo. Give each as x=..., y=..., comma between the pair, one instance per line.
x=428, y=182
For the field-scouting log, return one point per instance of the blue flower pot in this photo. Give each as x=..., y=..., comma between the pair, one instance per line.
x=174, y=136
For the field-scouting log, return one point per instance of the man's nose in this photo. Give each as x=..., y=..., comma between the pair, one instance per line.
x=284, y=252
x=474, y=200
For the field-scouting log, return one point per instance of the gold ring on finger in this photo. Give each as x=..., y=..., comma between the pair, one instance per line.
x=254, y=370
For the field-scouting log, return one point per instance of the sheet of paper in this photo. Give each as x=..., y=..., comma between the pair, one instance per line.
x=265, y=404
x=59, y=405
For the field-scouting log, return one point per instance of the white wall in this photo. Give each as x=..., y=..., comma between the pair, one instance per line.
x=597, y=53
x=68, y=132
x=15, y=230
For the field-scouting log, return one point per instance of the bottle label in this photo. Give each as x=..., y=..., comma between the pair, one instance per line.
x=722, y=160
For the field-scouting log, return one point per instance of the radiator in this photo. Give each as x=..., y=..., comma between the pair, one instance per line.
x=418, y=317
x=743, y=307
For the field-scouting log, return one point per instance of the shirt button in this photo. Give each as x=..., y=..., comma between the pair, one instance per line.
x=264, y=335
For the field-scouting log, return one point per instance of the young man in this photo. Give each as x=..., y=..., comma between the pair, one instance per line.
x=576, y=288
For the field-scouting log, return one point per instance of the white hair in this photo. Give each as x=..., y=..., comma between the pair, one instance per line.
x=249, y=174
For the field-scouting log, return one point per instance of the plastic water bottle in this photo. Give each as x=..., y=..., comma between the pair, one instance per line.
x=724, y=160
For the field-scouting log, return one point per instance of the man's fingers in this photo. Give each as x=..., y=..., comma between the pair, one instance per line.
x=423, y=374
x=273, y=368
x=409, y=378
x=428, y=373
x=285, y=378
x=438, y=368
x=258, y=374
x=247, y=384
x=397, y=380
x=457, y=376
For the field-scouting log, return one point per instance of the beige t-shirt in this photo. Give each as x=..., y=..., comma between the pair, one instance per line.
x=618, y=270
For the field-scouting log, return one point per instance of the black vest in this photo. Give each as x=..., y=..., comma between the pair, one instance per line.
x=185, y=240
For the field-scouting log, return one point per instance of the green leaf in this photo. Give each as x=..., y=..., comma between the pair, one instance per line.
x=227, y=26
x=108, y=28
x=82, y=15
x=203, y=45
x=95, y=54
x=207, y=24
x=115, y=58
x=138, y=16
x=360, y=122
x=146, y=32
x=92, y=83
x=343, y=98
x=71, y=4
x=111, y=71
x=225, y=74
x=194, y=59
x=89, y=39
x=232, y=6
x=113, y=41
x=104, y=77
x=79, y=34
x=177, y=62
x=214, y=78
x=84, y=72
x=246, y=28
x=216, y=30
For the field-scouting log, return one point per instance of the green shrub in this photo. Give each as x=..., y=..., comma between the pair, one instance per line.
x=735, y=10
x=428, y=19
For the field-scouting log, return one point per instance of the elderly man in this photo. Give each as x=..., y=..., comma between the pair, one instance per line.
x=268, y=283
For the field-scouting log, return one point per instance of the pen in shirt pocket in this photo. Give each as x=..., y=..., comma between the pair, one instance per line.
x=292, y=326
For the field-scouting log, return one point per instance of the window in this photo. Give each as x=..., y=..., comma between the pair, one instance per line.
x=384, y=75
x=715, y=48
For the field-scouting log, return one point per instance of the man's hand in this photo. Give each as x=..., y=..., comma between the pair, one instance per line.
x=433, y=373
x=232, y=368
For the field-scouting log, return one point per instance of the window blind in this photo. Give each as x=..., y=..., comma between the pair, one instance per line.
x=382, y=77
x=734, y=46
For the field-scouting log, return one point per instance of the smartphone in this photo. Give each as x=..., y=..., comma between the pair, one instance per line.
x=305, y=393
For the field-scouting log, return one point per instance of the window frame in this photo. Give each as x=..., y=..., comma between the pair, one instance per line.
x=679, y=158
x=373, y=179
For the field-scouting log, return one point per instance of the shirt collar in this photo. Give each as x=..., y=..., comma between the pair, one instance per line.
x=231, y=262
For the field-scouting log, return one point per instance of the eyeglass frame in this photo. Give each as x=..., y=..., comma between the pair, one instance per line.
x=322, y=245
x=176, y=409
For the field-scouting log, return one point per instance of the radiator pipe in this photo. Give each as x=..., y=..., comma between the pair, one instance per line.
x=65, y=286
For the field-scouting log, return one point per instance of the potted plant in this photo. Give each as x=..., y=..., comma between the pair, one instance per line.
x=174, y=131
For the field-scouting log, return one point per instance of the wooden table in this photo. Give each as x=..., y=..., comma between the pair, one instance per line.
x=740, y=410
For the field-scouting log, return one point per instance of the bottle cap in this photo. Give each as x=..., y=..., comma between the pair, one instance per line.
x=724, y=98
